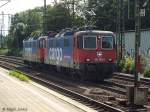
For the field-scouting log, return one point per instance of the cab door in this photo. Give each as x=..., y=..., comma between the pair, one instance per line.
x=41, y=50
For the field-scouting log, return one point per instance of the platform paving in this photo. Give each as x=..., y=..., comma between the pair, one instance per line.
x=19, y=96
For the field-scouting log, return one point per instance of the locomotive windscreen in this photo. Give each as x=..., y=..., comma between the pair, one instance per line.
x=87, y=42
x=107, y=42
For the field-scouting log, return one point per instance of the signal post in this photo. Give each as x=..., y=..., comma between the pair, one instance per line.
x=137, y=95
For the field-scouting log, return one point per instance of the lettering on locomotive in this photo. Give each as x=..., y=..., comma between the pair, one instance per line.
x=55, y=54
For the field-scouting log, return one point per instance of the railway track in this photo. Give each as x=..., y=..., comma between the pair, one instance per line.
x=18, y=60
x=12, y=59
x=101, y=107
x=128, y=77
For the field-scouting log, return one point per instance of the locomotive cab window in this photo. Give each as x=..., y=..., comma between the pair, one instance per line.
x=89, y=42
x=107, y=42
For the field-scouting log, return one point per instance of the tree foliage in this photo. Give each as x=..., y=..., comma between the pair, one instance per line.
x=70, y=13
x=30, y=22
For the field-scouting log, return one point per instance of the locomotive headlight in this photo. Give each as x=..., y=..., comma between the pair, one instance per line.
x=99, y=53
x=87, y=60
x=110, y=60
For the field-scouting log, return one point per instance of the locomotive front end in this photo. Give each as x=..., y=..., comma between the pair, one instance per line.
x=95, y=54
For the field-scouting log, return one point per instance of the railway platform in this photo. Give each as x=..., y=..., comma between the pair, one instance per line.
x=18, y=96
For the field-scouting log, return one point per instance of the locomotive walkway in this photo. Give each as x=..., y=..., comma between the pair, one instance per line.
x=18, y=96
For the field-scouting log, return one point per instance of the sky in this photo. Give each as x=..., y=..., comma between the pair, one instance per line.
x=20, y=5
x=15, y=6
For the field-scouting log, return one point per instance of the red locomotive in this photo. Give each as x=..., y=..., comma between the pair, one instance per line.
x=88, y=54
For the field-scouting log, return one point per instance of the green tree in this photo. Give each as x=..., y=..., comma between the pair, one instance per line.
x=59, y=18
x=75, y=10
x=33, y=21
x=19, y=34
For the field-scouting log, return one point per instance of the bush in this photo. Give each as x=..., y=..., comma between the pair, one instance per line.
x=147, y=72
x=143, y=64
x=121, y=64
x=127, y=65
x=132, y=68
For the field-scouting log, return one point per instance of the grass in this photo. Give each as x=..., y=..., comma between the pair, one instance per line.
x=3, y=51
x=11, y=51
x=14, y=52
x=19, y=75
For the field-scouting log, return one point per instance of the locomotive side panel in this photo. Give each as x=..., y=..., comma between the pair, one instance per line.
x=53, y=52
x=30, y=50
x=24, y=51
x=34, y=51
x=67, y=52
x=59, y=51
x=46, y=58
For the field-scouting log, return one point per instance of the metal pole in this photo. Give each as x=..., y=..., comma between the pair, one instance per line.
x=1, y=36
x=2, y=28
x=137, y=39
x=73, y=8
x=118, y=30
x=122, y=41
x=1, y=32
x=45, y=18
